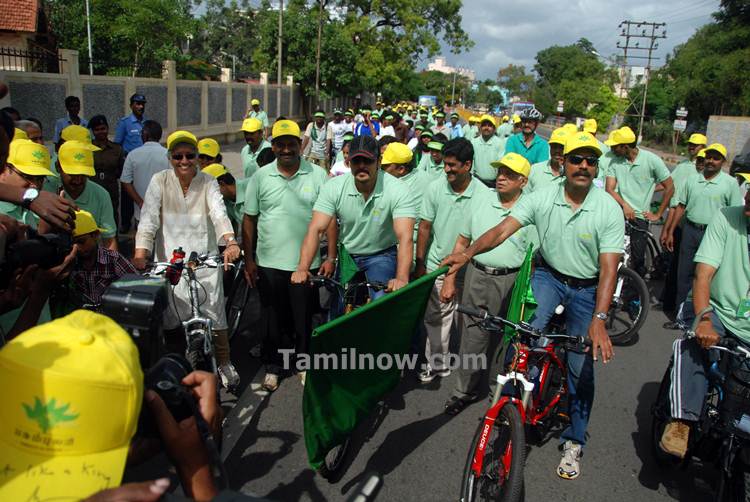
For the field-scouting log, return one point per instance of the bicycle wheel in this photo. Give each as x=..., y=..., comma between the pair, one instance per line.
x=235, y=305
x=194, y=354
x=655, y=262
x=660, y=416
x=628, y=312
x=504, y=456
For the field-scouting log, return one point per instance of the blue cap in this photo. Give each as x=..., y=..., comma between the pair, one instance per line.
x=137, y=98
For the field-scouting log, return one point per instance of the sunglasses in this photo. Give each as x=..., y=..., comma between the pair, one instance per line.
x=578, y=159
x=180, y=156
x=37, y=181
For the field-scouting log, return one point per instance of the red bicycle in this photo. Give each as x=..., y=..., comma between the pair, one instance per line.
x=529, y=396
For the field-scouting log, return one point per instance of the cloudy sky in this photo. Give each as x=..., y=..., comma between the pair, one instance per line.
x=513, y=31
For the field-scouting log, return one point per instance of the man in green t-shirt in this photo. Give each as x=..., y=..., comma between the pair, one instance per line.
x=549, y=172
x=581, y=233
x=722, y=282
x=279, y=203
x=488, y=147
x=432, y=164
x=233, y=192
x=257, y=152
x=631, y=180
x=255, y=112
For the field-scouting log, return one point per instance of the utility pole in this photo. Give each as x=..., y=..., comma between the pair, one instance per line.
x=453, y=91
x=88, y=36
x=634, y=32
x=317, y=57
x=278, y=70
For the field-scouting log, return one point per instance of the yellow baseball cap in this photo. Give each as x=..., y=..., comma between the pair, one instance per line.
x=581, y=140
x=76, y=133
x=559, y=136
x=285, y=128
x=208, y=146
x=473, y=118
x=215, y=170
x=487, y=118
x=698, y=139
x=621, y=136
x=571, y=128
x=590, y=126
x=19, y=134
x=76, y=157
x=397, y=153
x=85, y=224
x=716, y=147
x=514, y=162
x=701, y=153
x=29, y=158
x=505, y=118
x=178, y=137
x=255, y=102
x=251, y=125
x=516, y=119
x=72, y=394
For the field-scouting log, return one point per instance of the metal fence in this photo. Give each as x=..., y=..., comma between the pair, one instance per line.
x=36, y=60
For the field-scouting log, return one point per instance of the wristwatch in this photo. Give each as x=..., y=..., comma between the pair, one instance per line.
x=28, y=197
x=602, y=316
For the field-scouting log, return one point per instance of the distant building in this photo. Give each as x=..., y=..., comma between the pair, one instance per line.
x=24, y=27
x=628, y=78
x=442, y=66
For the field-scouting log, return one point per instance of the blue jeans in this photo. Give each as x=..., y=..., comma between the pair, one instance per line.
x=380, y=267
x=579, y=308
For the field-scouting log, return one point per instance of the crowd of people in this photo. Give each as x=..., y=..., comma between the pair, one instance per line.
x=403, y=192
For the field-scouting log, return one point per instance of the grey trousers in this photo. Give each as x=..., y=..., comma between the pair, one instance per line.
x=490, y=293
x=691, y=240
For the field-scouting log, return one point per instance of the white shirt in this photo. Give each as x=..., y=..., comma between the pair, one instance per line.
x=140, y=166
x=318, y=139
x=340, y=168
x=387, y=131
x=338, y=133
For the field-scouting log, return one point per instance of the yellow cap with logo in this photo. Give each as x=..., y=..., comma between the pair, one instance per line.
x=487, y=118
x=30, y=158
x=716, y=147
x=516, y=119
x=72, y=394
x=76, y=157
x=701, y=154
x=85, y=224
x=514, y=162
x=506, y=118
x=255, y=102
x=590, y=126
x=178, y=137
x=621, y=136
x=251, y=125
x=698, y=139
x=209, y=147
x=215, y=170
x=285, y=128
x=744, y=176
x=473, y=119
x=581, y=140
x=559, y=136
x=397, y=153
x=571, y=128
x=19, y=134
x=76, y=133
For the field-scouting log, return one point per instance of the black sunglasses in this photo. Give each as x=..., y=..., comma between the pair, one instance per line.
x=578, y=159
x=38, y=181
x=180, y=156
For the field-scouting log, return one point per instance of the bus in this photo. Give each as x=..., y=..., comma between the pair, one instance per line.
x=517, y=108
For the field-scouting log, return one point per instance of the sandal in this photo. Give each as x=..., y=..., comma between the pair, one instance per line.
x=455, y=405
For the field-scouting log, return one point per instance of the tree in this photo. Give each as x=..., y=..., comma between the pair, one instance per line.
x=514, y=78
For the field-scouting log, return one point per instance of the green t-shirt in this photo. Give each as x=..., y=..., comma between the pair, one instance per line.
x=636, y=181
x=505, y=129
x=447, y=211
x=725, y=247
x=236, y=208
x=428, y=166
x=680, y=175
x=702, y=197
x=19, y=213
x=366, y=226
x=541, y=176
x=260, y=115
x=96, y=200
x=571, y=242
x=284, y=208
x=486, y=152
x=250, y=159
x=487, y=212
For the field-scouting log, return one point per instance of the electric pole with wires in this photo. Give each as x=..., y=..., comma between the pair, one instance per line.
x=634, y=33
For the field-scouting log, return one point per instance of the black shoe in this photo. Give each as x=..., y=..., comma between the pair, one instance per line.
x=672, y=325
x=455, y=405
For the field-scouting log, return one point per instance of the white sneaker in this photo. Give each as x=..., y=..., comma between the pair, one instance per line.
x=229, y=376
x=570, y=464
x=442, y=373
x=426, y=375
x=302, y=375
x=270, y=382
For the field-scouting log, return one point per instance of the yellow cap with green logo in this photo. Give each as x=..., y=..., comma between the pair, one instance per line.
x=698, y=139
x=209, y=147
x=716, y=147
x=19, y=134
x=251, y=125
x=285, y=128
x=215, y=170
x=85, y=224
x=72, y=393
x=559, y=136
x=621, y=136
x=516, y=119
x=178, y=137
x=255, y=102
x=396, y=153
x=581, y=140
x=76, y=157
x=701, y=154
x=590, y=126
x=514, y=162
x=487, y=118
x=76, y=133
x=30, y=158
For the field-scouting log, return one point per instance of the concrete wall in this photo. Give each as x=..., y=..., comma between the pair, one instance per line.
x=213, y=109
x=732, y=132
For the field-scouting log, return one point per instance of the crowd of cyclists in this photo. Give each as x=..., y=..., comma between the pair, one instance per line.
x=403, y=190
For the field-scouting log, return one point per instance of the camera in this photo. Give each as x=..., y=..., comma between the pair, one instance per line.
x=45, y=250
x=165, y=378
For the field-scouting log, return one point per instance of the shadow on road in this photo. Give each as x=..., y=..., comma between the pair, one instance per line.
x=680, y=483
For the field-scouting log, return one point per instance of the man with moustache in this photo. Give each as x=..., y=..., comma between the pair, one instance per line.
x=257, y=152
x=581, y=231
x=488, y=147
x=376, y=215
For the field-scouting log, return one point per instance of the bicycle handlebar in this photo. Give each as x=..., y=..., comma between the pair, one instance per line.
x=201, y=261
x=726, y=344
x=322, y=280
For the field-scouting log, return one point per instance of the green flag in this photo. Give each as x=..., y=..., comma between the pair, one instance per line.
x=336, y=400
x=522, y=302
x=347, y=267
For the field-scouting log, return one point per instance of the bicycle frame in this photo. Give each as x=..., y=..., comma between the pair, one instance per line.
x=198, y=325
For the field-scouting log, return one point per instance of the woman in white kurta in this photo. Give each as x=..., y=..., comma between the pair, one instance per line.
x=184, y=208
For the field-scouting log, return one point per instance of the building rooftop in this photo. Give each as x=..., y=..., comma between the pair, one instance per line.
x=18, y=15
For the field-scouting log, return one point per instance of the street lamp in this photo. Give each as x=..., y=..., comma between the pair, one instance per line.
x=278, y=70
x=88, y=36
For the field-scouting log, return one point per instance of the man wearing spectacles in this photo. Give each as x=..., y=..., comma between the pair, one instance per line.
x=581, y=232
x=632, y=177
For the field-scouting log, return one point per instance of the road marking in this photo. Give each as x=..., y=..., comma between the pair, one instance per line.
x=242, y=413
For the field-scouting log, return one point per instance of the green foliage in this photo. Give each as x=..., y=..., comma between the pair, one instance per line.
x=47, y=415
x=435, y=83
x=483, y=94
x=516, y=80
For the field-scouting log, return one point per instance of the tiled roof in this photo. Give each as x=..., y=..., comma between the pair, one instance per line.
x=18, y=15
